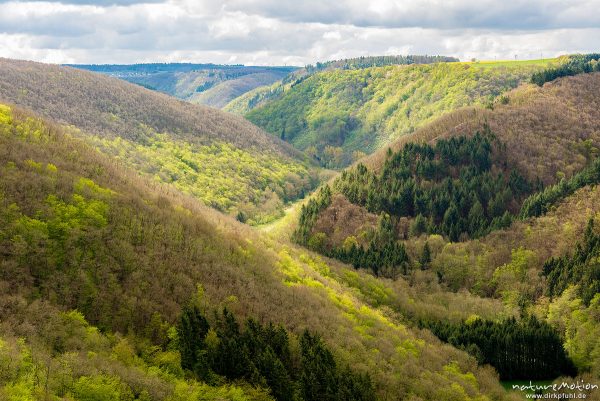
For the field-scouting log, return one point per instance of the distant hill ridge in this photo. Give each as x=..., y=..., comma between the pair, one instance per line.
x=377, y=61
x=207, y=83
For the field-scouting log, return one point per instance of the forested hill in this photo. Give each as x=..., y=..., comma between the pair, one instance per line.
x=210, y=84
x=550, y=131
x=339, y=115
x=469, y=173
x=115, y=288
x=222, y=159
x=110, y=107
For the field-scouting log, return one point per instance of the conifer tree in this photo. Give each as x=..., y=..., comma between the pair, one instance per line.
x=191, y=331
x=425, y=259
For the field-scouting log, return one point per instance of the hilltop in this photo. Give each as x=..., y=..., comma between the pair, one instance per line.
x=209, y=84
x=217, y=157
x=340, y=115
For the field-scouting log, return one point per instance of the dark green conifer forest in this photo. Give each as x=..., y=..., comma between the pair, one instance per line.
x=262, y=355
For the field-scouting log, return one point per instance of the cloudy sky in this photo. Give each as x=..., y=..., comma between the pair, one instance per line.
x=293, y=32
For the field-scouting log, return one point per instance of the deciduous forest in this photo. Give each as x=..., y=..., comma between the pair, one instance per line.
x=374, y=228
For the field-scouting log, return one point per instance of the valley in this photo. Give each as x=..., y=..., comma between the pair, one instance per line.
x=376, y=228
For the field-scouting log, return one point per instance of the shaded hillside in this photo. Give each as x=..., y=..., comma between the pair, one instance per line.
x=222, y=93
x=339, y=115
x=80, y=232
x=221, y=159
x=209, y=84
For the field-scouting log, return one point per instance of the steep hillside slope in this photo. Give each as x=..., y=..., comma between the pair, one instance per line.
x=222, y=159
x=80, y=232
x=209, y=84
x=550, y=131
x=257, y=97
x=339, y=115
x=261, y=95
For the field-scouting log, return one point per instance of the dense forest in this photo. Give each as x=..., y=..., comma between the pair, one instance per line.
x=527, y=349
x=582, y=268
x=454, y=188
x=224, y=161
x=262, y=356
x=459, y=255
x=98, y=263
x=374, y=61
x=553, y=156
x=530, y=261
x=576, y=64
x=539, y=203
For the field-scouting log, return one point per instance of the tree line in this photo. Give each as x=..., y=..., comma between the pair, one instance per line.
x=378, y=61
x=539, y=203
x=449, y=188
x=577, y=64
x=262, y=356
x=384, y=255
x=527, y=349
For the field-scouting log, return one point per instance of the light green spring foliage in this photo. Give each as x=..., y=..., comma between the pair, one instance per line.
x=224, y=160
x=76, y=360
x=365, y=109
x=221, y=176
x=581, y=328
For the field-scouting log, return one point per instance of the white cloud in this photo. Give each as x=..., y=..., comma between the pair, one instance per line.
x=292, y=32
x=332, y=35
